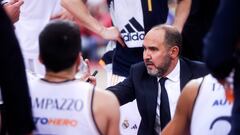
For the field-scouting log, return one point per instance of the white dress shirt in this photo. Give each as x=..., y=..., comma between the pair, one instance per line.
x=172, y=85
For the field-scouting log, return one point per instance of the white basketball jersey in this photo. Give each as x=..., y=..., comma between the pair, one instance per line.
x=211, y=113
x=62, y=108
x=34, y=16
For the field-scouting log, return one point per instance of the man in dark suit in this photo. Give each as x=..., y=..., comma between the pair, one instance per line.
x=162, y=46
x=16, y=111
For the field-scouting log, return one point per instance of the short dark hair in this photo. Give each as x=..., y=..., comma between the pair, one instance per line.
x=59, y=45
x=172, y=36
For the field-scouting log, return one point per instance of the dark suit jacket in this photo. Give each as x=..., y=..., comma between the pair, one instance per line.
x=144, y=88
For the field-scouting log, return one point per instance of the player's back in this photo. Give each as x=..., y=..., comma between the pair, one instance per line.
x=212, y=111
x=63, y=108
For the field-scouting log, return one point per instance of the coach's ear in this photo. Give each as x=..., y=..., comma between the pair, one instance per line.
x=174, y=52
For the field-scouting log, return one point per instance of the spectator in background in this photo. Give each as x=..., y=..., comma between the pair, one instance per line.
x=16, y=109
x=197, y=25
x=222, y=52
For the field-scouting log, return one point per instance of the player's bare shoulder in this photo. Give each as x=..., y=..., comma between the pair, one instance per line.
x=106, y=111
x=191, y=88
x=105, y=99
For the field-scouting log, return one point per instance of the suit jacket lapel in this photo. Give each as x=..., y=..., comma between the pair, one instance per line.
x=185, y=73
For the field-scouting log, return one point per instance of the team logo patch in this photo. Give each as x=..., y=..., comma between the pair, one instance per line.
x=125, y=124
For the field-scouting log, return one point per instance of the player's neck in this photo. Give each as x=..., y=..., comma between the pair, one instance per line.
x=59, y=76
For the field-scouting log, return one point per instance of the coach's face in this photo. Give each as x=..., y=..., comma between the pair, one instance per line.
x=156, y=53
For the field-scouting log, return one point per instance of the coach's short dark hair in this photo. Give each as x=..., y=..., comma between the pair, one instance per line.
x=59, y=45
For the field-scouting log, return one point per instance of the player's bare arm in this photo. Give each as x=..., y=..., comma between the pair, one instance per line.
x=181, y=14
x=78, y=9
x=106, y=112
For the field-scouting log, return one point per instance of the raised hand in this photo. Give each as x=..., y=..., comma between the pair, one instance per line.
x=13, y=9
x=112, y=33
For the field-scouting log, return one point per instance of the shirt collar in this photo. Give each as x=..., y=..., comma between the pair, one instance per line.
x=175, y=74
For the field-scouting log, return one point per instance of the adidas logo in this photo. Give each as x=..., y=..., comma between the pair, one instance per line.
x=133, y=31
x=134, y=127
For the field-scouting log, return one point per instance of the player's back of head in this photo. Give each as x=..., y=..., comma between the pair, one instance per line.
x=59, y=45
